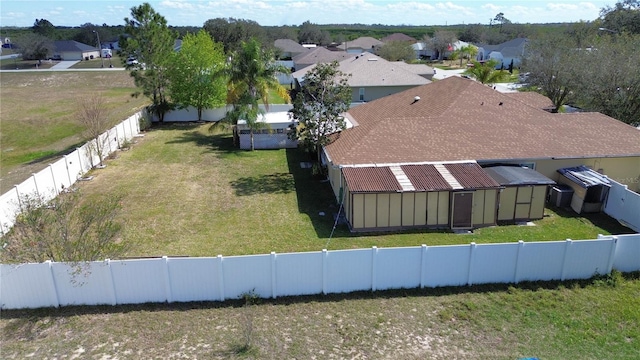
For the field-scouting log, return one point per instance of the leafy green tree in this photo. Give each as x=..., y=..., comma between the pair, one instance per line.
x=44, y=27
x=231, y=32
x=63, y=230
x=319, y=106
x=486, y=73
x=252, y=75
x=441, y=41
x=623, y=17
x=197, y=74
x=501, y=19
x=467, y=52
x=611, y=82
x=551, y=62
x=397, y=50
x=34, y=46
x=150, y=42
x=310, y=33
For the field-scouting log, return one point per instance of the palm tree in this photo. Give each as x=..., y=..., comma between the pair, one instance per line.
x=252, y=74
x=466, y=52
x=486, y=73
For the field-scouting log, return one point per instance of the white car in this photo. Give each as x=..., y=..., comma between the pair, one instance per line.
x=131, y=60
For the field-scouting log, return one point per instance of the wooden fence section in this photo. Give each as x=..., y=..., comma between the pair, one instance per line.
x=273, y=275
x=56, y=177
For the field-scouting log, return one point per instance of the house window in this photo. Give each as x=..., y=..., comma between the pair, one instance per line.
x=280, y=131
x=361, y=92
x=244, y=132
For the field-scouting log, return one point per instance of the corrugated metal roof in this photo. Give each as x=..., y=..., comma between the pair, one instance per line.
x=371, y=179
x=584, y=176
x=471, y=176
x=425, y=178
x=517, y=175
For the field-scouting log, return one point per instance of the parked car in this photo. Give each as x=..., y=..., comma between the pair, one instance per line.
x=131, y=60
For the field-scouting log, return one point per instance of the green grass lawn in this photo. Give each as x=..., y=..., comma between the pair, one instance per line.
x=189, y=192
x=97, y=63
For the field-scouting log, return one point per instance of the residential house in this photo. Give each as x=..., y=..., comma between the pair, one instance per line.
x=318, y=55
x=417, y=158
x=361, y=44
x=289, y=48
x=399, y=37
x=73, y=50
x=371, y=77
x=420, y=69
x=504, y=54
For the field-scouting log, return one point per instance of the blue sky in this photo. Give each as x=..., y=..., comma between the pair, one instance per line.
x=294, y=12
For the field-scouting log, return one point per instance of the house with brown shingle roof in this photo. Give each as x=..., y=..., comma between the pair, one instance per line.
x=371, y=77
x=399, y=37
x=451, y=129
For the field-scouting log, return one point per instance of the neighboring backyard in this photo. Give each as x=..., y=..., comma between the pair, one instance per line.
x=37, y=113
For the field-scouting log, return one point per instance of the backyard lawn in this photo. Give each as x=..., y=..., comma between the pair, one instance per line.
x=188, y=192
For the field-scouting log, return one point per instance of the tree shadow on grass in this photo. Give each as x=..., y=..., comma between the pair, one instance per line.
x=219, y=143
x=278, y=183
x=315, y=197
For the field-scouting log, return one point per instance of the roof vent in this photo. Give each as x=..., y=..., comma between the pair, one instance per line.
x=415, y=100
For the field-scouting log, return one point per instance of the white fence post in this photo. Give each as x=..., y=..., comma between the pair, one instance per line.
x=374, y=255
x=423, y=264
x=472, y=250
x=35, y=183
x=66, y=164
x=220, y=278
x=324, y=271
x=567, y=248
x=56, y=298
x=53, y=180
x=612, y=254
x=79, y=162
x=167, y=279
x=516, y=272
x=274, y=290
x=111, y=284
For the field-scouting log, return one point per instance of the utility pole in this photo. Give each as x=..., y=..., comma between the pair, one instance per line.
x=99, y=47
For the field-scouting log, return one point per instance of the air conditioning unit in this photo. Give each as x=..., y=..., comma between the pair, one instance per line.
x=561, y=195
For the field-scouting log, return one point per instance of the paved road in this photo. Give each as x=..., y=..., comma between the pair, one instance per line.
x=10, y=56
x=52, y=69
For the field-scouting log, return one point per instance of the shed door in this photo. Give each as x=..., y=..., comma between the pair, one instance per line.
x=461, y=209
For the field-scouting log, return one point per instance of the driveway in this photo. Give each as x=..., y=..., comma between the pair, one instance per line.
x=63, y=65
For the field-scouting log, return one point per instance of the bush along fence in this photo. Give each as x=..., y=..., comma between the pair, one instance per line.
x=59, y=176
x=272, y=275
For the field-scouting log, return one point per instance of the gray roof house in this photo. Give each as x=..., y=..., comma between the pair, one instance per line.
x=372, y=77
x=289, y=48
x=73, y=50
x=361, y=44
x=318, y=55
x=504, y=53
x=420, y=69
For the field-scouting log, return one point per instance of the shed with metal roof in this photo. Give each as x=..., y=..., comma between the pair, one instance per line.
x=459, y=195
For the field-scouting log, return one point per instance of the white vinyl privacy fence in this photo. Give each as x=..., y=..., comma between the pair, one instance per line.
x=218, y=278
x=60, y=175
x=623, y=205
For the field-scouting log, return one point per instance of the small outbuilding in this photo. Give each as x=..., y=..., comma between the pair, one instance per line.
x=590, y=188
x=524, y=192
x=428, y=195
x=272, y=134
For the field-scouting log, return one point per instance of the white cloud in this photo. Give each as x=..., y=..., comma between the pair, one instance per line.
x=177, y=4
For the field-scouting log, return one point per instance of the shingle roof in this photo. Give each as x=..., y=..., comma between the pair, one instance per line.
x=461, y=119
x=370, y=70
x=364, y=42
x=320, y=55
x=420, y=69
x=532, y=98
x=398, y=37
x=71, y=45
x=290, y=46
